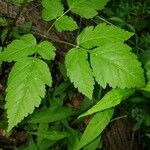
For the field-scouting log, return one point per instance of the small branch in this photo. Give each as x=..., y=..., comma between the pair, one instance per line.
x=103, y=19
x=50, y=28
x=121, y=117
x=65, y=42
x=59, y=41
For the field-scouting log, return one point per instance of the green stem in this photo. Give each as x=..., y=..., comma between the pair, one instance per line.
x=50, y=28
x=104, y=20
x=60, y=41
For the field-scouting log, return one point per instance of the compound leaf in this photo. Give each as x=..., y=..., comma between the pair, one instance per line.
x=111, y=99
x=79, y=71
x=66, y=23
x=26, y=87
x=86, y=8
x=46, y=50
x=102, y=34
x=19, y=49
x=115, y=65
x=95, y=127
x=52, y=9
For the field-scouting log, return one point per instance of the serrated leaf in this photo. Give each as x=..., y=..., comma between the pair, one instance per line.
x=19, y=49
x=115, y=65
x=102, y=34
x=86, y=8
x=147, y=67
x=95, y=127
x=46, y=50
x=51, y=114
x=26, y=87
x=52, y=135
x=79, y=71
x=111, y=99
x=52, y=9
x=66, y=23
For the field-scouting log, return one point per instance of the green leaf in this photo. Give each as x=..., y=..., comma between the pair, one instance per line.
x=102, y=34
x=98, y=123
x=111, y=99
x=3, y=22
x=51, y=114
x=52, y=9
x=79, y=71
x=26, y=87
x=52, y=135
x=42, y=127
x=19, y=49
x=66, y=23
x=147, y=67
x=32, y=145
x=46, y=50
x=94, y=145
x=86, y=8
x=46, y=144
x=115, y=65
x=145, y=56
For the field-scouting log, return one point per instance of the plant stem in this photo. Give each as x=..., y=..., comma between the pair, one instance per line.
x=56, y=40
x=104, y=20
x=50, y=28
x=67, y=43
x=121, y=117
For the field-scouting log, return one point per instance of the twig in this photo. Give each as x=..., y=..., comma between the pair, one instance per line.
x=50, y=28
x=121, y=117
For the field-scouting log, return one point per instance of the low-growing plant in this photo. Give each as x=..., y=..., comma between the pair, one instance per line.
x=100, y=57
